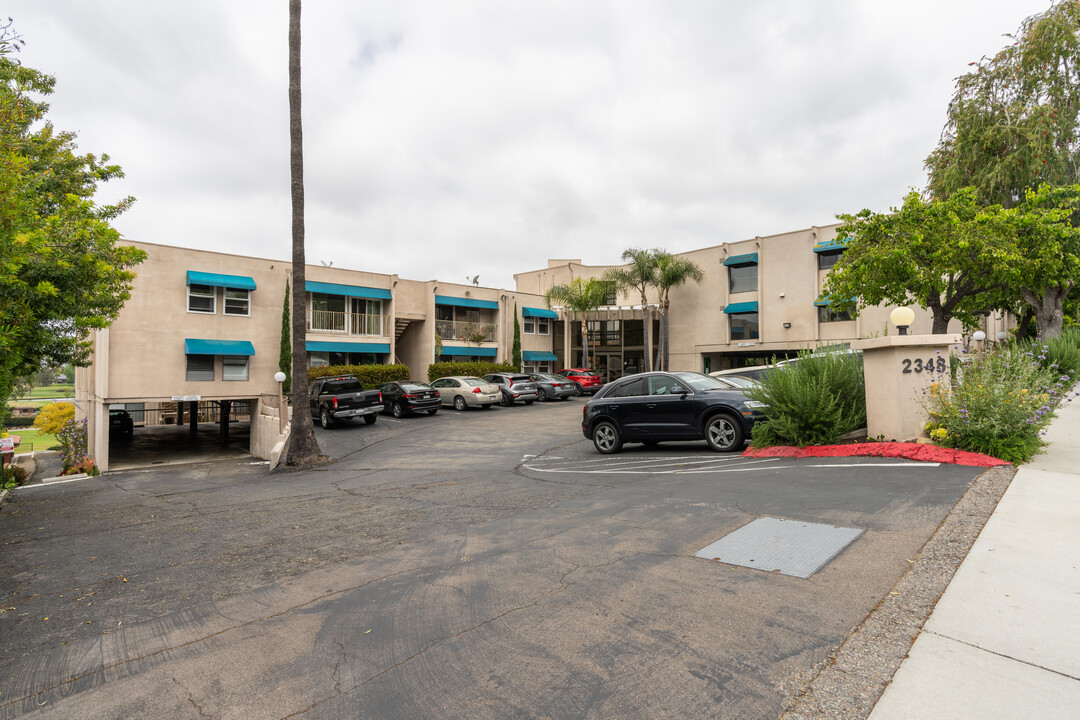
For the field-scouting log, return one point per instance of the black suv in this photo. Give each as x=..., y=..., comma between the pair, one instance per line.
x=653, y=407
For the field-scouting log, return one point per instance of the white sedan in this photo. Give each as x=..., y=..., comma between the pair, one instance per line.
x=464, y=391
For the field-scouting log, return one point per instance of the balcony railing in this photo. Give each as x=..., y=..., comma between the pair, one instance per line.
x=465, y=331
x=349, y=323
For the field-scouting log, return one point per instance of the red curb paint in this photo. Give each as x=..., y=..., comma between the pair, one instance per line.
x=908, y=451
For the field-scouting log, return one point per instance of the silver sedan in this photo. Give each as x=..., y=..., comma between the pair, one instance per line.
x=465, y=391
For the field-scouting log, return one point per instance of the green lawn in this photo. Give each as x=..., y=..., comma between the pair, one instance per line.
x=32, y=439
x=66, y=390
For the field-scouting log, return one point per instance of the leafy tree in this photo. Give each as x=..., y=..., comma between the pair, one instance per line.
x=285, y=351
x=671, y=272
x=515, y=352
x=52, y=418
x=579, y=296
x=62, y=271
x=303, y=446
x=640, y=273
x=1014, y=124
x=949, y=256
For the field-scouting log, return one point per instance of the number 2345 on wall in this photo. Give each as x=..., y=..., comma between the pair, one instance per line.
x=918, y=365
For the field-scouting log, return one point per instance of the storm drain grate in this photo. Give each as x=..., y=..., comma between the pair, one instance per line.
x=789, y=547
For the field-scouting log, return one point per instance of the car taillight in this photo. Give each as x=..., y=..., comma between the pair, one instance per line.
x=511, y=382
x=335, y=403
x=410, y=396
x=380, y=397
x=476, y=391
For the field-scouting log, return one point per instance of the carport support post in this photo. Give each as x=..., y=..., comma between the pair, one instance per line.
x=226, y=408
x=193, y=420
x=899, y=370
x=179, y=413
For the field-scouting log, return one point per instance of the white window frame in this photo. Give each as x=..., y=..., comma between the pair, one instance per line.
x=235, y=367
x=237, y=296
x=528, y=326
x=196, y=368
x=543, y=326
x=193, y=293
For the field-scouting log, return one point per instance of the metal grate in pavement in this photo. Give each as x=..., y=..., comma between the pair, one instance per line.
x=789, y=547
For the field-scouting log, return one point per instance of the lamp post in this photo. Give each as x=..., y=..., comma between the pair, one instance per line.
x=902, y=317
x=979, y=336
x=279, y=378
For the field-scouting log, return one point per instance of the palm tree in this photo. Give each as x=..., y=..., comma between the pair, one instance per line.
x=580, y=296
x=640, y=273
x=672, y=272
x=303, y=446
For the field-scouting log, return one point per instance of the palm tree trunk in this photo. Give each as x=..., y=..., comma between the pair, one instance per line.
x=646, y=321
x=303, y=446
x=585, y=342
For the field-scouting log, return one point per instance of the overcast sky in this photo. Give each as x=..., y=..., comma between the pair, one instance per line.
x=446, y=139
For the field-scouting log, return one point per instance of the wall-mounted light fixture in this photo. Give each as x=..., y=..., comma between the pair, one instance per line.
x=787, y=326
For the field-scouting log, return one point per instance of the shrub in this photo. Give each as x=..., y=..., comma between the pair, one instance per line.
x=1060, y=354
x=814, y=401
x=998, y=404
x=52, y=418
x=13, y=475
x=370, y=376
x=72, y=439
x=443, y=369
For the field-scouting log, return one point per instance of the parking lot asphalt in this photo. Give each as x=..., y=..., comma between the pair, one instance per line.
x=485, y=564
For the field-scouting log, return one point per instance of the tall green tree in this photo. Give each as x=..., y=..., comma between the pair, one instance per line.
x=515, y=352
x=303, y=446
x=951, y=256
x=285, y=349
x=1014, y=124
x=63, y=271
x=579, y=296
x=671, y=272
x=640, y=273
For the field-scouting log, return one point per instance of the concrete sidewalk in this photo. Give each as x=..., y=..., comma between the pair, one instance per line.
x=1004, y=640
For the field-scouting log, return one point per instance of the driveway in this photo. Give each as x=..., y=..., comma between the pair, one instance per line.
x=486, y=564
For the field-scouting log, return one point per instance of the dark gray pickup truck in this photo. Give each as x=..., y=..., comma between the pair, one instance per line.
x=342, y=397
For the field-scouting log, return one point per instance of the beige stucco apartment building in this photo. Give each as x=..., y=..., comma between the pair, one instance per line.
x=200, y=337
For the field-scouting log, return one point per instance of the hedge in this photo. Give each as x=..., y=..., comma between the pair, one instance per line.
x=473, y=368
x=370, y=376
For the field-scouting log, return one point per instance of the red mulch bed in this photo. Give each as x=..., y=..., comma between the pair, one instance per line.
x=909, y=451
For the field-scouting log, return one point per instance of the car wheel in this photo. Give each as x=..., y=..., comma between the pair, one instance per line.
x=578, y=391
x=505, y=401
x=606, y=439
x=370, y=419
x=459, y=403
x=432, y=411
x=397, y=410
x=324, y=419
x=723, y=433
x=541, y=394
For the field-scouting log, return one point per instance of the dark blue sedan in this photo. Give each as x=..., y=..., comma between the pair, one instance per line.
x=653, y=407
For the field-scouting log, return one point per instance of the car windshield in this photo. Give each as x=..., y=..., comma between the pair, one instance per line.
x=701, y=382
x=340, y=386
x=476, y=382
x=740, y=381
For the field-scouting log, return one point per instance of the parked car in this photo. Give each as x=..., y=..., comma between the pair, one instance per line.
x=552, y=387
x=514, y=387
x=409, y=396
x=652, y=407
x=737, y=381
x=121, y=423
x=464, y=391
x=343, y=397
x=585, y=381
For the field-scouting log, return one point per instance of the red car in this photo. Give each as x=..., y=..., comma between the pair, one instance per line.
x=585, y=381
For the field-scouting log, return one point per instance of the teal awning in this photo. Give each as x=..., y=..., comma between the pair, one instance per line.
x=824, y=300
x=477, y=351
x=538, y=356
x=193, y=346
x=539, y=312
x=743, y=307
x=466, y=302
x=348, y=290
x=236, y=282
x=830, y=246
x=747, y=259
x=349, y=347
